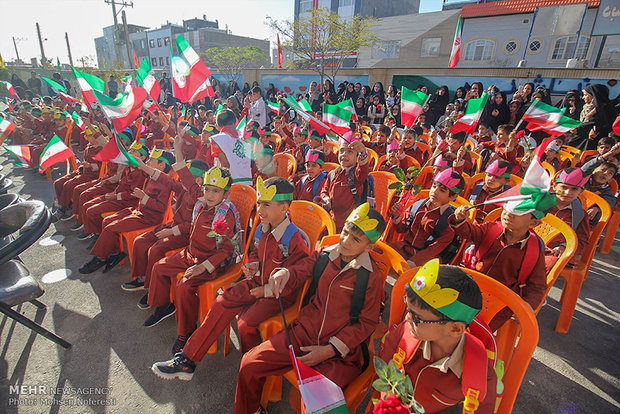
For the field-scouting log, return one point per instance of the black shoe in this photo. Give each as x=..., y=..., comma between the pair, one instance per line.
x=77, y=227
x=180, y=343
x=94, y=264
x=159, y=314
x=136, y=284
x=84, y=236
x=67, y=216
x=180, y=367
x=113, y=260
x=143, y=303
x=58, y=214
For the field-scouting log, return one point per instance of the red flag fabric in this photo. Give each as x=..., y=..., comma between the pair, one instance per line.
x=280, y=56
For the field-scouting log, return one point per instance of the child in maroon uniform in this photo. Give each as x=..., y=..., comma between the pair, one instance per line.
x=392, y=161
x=278, y=244
x=209, y=252
x=427, y=233
x=152, y=246
x=504, y=148
x=343, y=189
x=456, y=152
x=324, y=335
x=408, y=144
x=152, y=203
x=434, y=334
x=309, y=186
x=495, y=181
x=380, y=145
x=508, y=250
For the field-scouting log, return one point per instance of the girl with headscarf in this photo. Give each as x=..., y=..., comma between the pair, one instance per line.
x=498, y=112
x=350, y=93
x=360, y=107
x=514, y=107
x=377, y=90
x=596, y=121
x=314, y=96
x=459, y=94
x=233, y=105
x=437, y=104
x=573, y=104
x=365, y=94
x=329, y=94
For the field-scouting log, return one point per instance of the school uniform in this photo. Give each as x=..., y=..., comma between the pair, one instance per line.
x=418, y=246
x=324, y=320
x=500, y=149
x=37, y=149
x=416, y=153
x=149, y=212
x=65, y=185
x=567, y=214
x=131, y=178
x=480, y=194
x=336, y=189
x=88, y=191
x=502, y=262
x=304, y=187
x=379, y=147
x=391, y=167
x=237, y=300
x=437, y=382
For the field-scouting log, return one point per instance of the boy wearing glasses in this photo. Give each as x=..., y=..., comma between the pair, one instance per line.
x=432, y=346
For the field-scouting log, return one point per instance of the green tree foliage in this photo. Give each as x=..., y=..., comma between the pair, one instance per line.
x=323, y=40
x=231, y=61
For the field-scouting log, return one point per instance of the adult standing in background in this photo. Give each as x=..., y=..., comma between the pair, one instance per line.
x=258, y=108
x=34, y=83
x=112, y=87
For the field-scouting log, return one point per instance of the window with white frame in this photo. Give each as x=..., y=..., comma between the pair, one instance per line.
x=564, y=48
x=430, y=47
x=305, y=5
x=344, y=3
x=479, y=50
x=153, y=61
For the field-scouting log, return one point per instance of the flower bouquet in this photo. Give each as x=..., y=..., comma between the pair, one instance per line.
x=398, y=388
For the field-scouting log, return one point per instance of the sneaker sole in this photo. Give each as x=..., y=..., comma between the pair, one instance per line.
x=183, y=376
x=132, y=289
x=78, y=229
x=85, y=238
x=143, y=307
x=67, y=218
x=167, y=316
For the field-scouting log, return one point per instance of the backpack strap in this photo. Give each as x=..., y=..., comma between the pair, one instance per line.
x=285, y=241
x=577, y=213
x=490, y=236
x=475, y=191
x=359, y=294
x=257, y=235
x=533, y=249
x=351, y=183
x=407, y=347
x=317, y=271
x=414, y=210
x=474, y=379
x=317, y=183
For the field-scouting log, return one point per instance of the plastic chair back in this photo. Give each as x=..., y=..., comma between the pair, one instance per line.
x=425, y=148
x=587, y=154
x=550, y=169
x=328, y=166
x=138, y=125
x=244, y=198
x=424, y=175
x=567, y=159
x=495, y=297
x=383, y=195
x=575, y=152
x=373, y=158
x=411, y=162
x=476, y=178
x=333, y=146
x=312, y=219
x=477, y=158
x=286, y=165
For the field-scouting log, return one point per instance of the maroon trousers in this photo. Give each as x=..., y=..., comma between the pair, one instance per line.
x=65, y=186
x=125, y=220
x=186, y=300
x=87, y=191
x=272, y=358
x=148, y=250
x=92, y=220
x=234, y=301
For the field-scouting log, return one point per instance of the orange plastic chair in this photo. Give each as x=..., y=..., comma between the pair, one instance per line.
x=411, y=162
x=477, y=159
x=277, y=140
x=567, y=159
x=550, y=169
x=575, y=152
x=424, y=175
x=312, y=219
x=425, y=148
x=286, y=165
x=575, y=276
x=333, y=146
x=328, y=166
x=103, y=169
x=383, y=195
x=470, y=144
x=166, y=141
x=372, y=158
x=476, y=178
x=495, y=297
x=610, y=233
x=587, y=154
x=387, y=259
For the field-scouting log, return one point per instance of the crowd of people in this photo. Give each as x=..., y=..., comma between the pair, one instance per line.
x=189, y=157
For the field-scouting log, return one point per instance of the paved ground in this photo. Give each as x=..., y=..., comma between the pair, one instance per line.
x=112, y=352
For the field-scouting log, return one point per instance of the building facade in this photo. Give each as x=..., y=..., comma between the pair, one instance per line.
x=110, y=47
x=349, y=8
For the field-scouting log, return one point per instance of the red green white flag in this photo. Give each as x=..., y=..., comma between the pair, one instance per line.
x=348, y=105
x=274, y=106
x=147, y=79
x=190, y=75
x=455, y=55
x=11, y=89
x=411, y=104
x=77, y=119
x=20, y=154
x=337, y=118
x=150, y=106
x=125, y=108
x=305, y=105
x=315, y=123
x=115, y=152
x=6, y=127
x=56, y=151
x=57, y=86
x=241, y=127
x=548, y=118
x=88, y=85
x=469, y=121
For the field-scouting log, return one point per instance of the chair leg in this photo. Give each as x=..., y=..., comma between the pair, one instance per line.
x=610, y=235
x=8, y=311
x=38, y=304
x=570, y=294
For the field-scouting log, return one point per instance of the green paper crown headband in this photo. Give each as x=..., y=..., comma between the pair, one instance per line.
x=270, y=193
x=425, y=285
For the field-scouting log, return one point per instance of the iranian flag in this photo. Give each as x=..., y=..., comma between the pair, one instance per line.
x=316, y=123
x=71, y=100
x=77, y=119
x=125, y=108
x=88, y=85
x=57, y=86
x=147, y=79
x=305, y=105
x=274, y=106
x=319, y=394
x=337, y=118
x=241, y=127
x=11, y=89
x=190, y=75
x=55, y=151
x=20, y=154
x=348, y=105
x=150, y=106
x=6, y=127
x=411, y=103
x=469, y=120
x=116, y=153
x=455, y=55
x=548, y=118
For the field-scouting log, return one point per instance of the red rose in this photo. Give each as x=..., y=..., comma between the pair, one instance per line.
x=520, y=134
x=220, y=227
x=391, y=405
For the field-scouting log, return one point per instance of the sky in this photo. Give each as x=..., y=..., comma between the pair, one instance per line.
x=83, y=20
